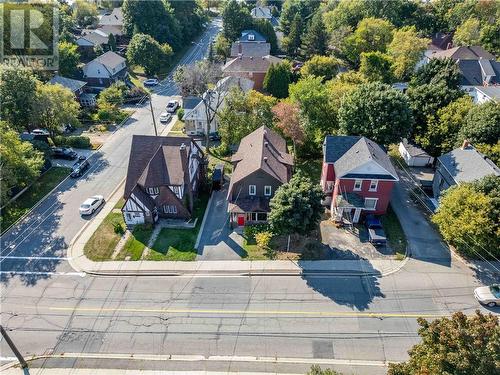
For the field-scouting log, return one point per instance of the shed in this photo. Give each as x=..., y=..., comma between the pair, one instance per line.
x=414, y=156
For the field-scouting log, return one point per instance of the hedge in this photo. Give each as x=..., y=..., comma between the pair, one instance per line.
x=73, y=141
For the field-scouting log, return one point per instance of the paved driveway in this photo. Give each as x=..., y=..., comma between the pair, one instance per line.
x=218, y=241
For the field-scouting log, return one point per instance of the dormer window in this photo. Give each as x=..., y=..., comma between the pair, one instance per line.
x=251, y=37
x=154, y=190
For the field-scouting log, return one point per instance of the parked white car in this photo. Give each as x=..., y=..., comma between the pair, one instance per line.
x=91, y=204
x=172, y=106
x=165, y=117
x=488, y=295
x=151, y=82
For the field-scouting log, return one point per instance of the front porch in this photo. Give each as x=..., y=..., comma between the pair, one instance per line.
x=347, y=208
x=248, y=211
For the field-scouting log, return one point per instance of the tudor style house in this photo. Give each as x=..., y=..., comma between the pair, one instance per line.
x=357, y=176
x=163, y=178
x=260, y=166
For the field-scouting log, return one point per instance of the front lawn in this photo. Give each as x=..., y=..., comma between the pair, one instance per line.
x=395, y=234
x=178, y=244
x=103, y=242
x=136, y=243
x=41, y=187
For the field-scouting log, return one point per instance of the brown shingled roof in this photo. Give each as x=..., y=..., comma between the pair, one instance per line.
x=250, y=64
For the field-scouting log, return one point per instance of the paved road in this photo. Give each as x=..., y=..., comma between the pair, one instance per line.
x=36, y=247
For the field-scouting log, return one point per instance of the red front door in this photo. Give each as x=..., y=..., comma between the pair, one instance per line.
x=241, y=220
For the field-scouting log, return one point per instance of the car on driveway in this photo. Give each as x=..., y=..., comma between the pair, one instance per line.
x=376, y=234
x=218, y=177
x=488, y=295
x=151, y=82
x=64, y=153
x=165, y=117
x=172, y=106
x=79, y=168
x=91, y=204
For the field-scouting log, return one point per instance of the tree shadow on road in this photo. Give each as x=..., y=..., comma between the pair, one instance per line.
x=354, y=291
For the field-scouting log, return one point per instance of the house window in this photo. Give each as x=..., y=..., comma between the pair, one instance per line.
x=267, y=190
x=357, y=185
x=251, y=37
x=154, y=190
x=373, y=185
x=370, y=203
x=170, y=209
x=261, y=216
x=252, y=190
x=329, y=186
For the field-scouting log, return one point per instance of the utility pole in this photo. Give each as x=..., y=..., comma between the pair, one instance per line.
x=152, y=113
x=20, y=358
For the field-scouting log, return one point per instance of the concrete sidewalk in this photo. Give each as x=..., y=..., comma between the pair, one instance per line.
x=81, y=263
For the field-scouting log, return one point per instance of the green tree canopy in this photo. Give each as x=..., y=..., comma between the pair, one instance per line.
x=321, y=66
x=376, y=111
x=277, y=79
x=291, y=42
x=17, y=95
x=315, y=39
x=235, y=18
x=406, y=49
x=144, y=51
x=437, y=71
x=267, y=30
x=19, y=161
x=68, y=59
x=468, y=33
x=482, y=124
x=376, y=67
x=461, y=344
x=85, y=13
x=489, y=38
x=222, y=47
x=296, y=206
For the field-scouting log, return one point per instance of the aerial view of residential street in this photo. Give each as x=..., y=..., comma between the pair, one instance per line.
x=252, y=187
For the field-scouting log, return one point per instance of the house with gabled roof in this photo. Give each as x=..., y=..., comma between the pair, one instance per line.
x=105, y=70
x=357, y=177
x=115, y=18
x=265, y=13
x=163, y=177
x=260, y=166
x=251, y=43
x=253, y=68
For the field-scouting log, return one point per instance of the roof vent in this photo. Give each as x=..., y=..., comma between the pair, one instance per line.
x=251, y=57
x=265, y=159
x=465, y=145
x=183, y=147
x=266, y=143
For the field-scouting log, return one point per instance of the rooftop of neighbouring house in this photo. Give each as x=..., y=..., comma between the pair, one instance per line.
x=252, y=36
x=251, y=64
x=412, y=149
x=358, y=157
x=72, y=84
x=464, y=53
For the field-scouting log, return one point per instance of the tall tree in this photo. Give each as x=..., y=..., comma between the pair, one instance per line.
x=376, y=111
x=85, y=13
x=321, y=66
x=54, y=107
x=314, y=41
x=277, y=79
x=296, y=206
x=468, y=33
x=304, y=8
x=437, y=71
x=482, y=124
x=347, y=14
x=20, y=163
x=17, y=95
x=190, y=18
x=68, y=59
x=291, y=43
x=376, y=67
x=112, y=42
x=489, y=38
x=406, y=49
x=460, y=344
x=267, y=30
x=287, y=115
x=195, y=79
x=222, y=48
x=235, y=19
x=144, y=51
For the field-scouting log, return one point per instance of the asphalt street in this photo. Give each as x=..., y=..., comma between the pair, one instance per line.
x=354, y=324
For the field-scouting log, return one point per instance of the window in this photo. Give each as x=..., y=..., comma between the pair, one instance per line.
x=357, y=185
x=154, y=190
x=170, y=209
x=251, y=37
x=329, y=186
x=373, y=185
x=252, y=190
x=267, y=190
x=261, y=216
x=371, y=203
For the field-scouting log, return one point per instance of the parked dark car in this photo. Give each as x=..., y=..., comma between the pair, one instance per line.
x=79, y=168
x=218, y=177
x=64, y=153
x=376, y=234
x=214, y=136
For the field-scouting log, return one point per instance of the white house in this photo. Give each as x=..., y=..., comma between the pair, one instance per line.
x=104, y=70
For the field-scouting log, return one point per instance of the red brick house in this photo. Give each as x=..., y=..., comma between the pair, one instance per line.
x=357, y=177
x=163, y=177
x=253, y=68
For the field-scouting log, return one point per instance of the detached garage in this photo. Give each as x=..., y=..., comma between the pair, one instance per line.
x=414, y=156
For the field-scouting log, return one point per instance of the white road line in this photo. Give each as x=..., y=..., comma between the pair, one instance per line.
x=33, y=258
x=81, y=274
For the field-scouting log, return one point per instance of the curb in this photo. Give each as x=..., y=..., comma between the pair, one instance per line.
x=198, y=238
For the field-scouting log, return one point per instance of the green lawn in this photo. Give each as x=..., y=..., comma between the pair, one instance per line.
x=120, y=203
x=41, y=187
x=136, y=243
x=252, y=251
x=178, y=244
x=104, y=240
x=176, y=130
x=394, y=232
x=310, y=168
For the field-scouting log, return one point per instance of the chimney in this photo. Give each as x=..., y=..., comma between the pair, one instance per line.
x=182, y=147
x=465, y=145
x=266, y=143
x=240, y=49
x=265, y=159
x=251, y=57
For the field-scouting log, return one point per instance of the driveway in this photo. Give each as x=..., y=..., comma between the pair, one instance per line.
x=218, y=241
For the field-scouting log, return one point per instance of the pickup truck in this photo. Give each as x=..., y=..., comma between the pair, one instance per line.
x=376, y=234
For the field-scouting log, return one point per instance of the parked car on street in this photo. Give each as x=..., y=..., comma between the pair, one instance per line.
x=488, y=295
x=91, y=204
x=214, y=136
x=376, y=234
x=40, y=132
x=172, y=106
x=64, y=153
x=151, y=82
x=218, y=177
x=165, y=117
x=79, y=168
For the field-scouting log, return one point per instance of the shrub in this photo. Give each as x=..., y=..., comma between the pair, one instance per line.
x=251, y=230
x=263, y=239
x=180, y=113
x=221, y=150
x=73, y=141
x=119, y=229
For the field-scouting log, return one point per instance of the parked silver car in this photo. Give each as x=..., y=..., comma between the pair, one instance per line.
x=488, y=295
